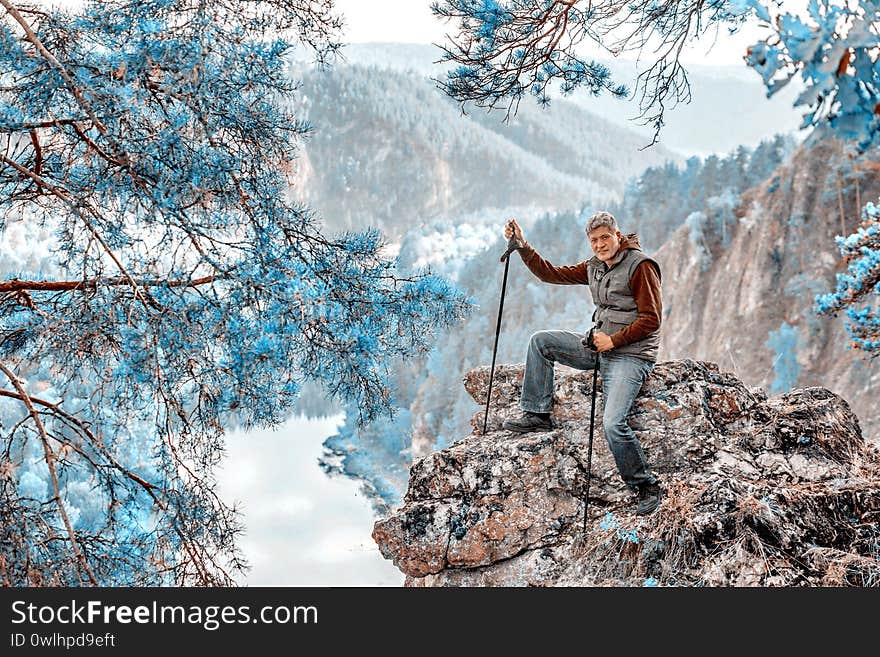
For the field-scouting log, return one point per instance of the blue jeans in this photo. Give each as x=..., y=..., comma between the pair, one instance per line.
x=622, y=378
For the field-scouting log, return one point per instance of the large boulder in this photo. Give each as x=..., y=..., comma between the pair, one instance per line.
x=758, y=491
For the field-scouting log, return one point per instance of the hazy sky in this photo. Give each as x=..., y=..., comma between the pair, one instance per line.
x=411, y=21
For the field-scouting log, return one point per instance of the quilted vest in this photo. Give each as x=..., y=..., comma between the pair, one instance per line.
x=615, y=304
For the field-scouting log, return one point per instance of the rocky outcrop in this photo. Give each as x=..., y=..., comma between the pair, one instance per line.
x=758, y=491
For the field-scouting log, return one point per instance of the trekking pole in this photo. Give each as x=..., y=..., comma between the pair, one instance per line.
x=512, y=245
x=592, y=346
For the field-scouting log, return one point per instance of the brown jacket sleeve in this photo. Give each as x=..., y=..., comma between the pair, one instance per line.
x=645, y=286
x=550, y=273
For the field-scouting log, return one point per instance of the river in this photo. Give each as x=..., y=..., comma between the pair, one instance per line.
x=302, y=527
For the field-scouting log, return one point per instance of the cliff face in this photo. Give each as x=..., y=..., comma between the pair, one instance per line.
x=778, y=491
x=742, y=295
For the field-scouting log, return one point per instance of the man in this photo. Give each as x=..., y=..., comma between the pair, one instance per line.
x=625, y=286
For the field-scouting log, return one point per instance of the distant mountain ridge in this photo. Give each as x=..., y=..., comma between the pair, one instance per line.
x=390, y=150
x=728, y=97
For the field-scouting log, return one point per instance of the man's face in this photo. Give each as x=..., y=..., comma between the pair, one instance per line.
x=605, y=243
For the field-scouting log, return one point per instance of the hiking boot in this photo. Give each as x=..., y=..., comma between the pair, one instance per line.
x=529, y=422
x=649, y=498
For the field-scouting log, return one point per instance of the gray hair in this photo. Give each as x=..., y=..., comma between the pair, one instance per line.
x=601, y=219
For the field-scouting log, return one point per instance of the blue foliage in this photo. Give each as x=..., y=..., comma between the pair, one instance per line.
x=712, y=227
x=859, y=283
x=704, y=193
x=378, y=454
x=696, y=223
x=190, y=294
x=611, y=522
x=833, y=48
x=505, y=52
x=505, y=49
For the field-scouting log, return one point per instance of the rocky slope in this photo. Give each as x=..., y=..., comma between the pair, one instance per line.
x=744, y=298
x=759, y=491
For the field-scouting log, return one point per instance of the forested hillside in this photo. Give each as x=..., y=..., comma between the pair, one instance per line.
x=703, y=190
x=396, y=165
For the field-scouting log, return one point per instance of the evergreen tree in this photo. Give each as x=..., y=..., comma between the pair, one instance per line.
x=183, y=292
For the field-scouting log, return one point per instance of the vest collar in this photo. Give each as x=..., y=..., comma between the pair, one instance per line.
x=620, y=255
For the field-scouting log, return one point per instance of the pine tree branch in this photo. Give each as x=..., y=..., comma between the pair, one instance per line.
x=50, y=463
x=17, y=285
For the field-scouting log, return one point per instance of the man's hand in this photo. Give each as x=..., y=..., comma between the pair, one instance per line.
x=512, y=229
x=602, y=341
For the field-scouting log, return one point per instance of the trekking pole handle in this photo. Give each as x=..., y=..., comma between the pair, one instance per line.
x=512, y=245
x=588, y=341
